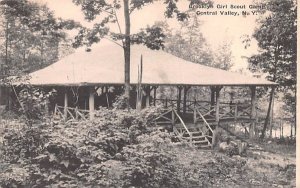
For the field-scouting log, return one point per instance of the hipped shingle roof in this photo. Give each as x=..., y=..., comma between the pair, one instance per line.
x=105, y=65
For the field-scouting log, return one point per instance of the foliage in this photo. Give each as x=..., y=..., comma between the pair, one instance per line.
x=277, y=36
x=189, y=43
x=120, y=102
x=105, y=14
x=33, y=102
x=120, y=148
x=31, y=36
x=67, y=155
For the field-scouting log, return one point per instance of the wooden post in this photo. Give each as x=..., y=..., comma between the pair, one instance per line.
x=179, y=98
x=154, y=95
x=55, y=110
x=253, y=106
x=91, y=103
x=147, y=90
x=195, y=112
x=212, y=98
x=235, y=112
x=184, y=98
x=76, y=112
x=231, y=101
x=173, y=119
x=216, y=130
x=166, y=102
x=66, y=105
x=218, y=104
x=195, y=116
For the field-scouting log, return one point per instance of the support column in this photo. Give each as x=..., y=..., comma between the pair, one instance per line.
x=217, y=106
x=154, y=95
x=253, y=112
x=179, y=98
x=147, y=90
x=212, y=98
x=184, y=98
x=92, y=103
x=66, y=105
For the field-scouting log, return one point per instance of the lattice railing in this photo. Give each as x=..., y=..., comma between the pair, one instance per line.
x=69, y=113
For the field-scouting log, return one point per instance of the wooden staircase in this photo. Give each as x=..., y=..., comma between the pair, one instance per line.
x=196, y=137
x=195, y=131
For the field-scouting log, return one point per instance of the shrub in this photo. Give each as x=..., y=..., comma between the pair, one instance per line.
x=91, y=153
x=33, y=102
x=120, y=148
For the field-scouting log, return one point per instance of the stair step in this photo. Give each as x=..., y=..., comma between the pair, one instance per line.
x=208, y=146
x=162, y=122
x=187, y=137
x=193, y=135
x=200, y=142
x=198, y=137
x=196, y=132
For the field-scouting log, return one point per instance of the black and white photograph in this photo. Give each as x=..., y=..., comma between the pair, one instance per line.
x=148, y=93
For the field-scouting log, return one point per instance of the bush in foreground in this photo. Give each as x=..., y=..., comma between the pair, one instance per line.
x=120, y=148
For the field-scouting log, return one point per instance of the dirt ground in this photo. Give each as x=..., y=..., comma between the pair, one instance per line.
x=263, y=165
x=277, y=162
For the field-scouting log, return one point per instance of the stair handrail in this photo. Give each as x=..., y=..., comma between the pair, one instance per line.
x=177, y=132
x=162, y=114
x=204, y=120
x=182, y=123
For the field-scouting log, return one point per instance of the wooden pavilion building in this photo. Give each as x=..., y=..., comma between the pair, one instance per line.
x=83, y=81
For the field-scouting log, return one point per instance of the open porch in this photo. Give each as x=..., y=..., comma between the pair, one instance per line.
x=96, y=70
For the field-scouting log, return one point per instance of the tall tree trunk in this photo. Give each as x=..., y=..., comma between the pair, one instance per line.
x=271, y=118
x=6, y=49
x=262, y=136
x=291, y=130
x=5, y=67
x=252, y=127
x=295, y=124
x=282, y=129
x=127, y=52
x=295, y=114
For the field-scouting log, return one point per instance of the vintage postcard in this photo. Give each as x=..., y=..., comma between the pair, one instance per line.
x=148, y=93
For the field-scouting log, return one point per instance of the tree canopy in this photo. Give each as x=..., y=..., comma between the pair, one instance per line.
x=277, y=40
x=30, y=36
x=152, y=37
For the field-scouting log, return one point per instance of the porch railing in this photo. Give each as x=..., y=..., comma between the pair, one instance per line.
x=69, y=113
x=226, y=110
